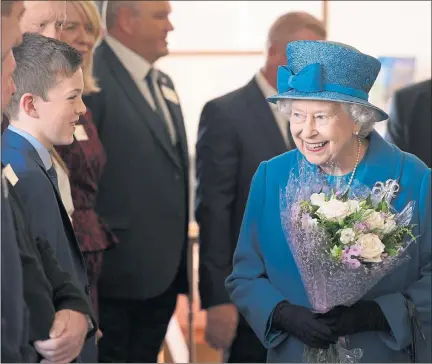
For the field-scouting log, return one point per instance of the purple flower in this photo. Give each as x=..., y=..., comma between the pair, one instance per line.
x=353, y=263
x=348, y=254
x=361, y=226
x=384, y=215
x=339, y=195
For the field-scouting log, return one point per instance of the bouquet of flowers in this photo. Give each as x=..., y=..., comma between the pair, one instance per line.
x=343, y=245
x=358, y=232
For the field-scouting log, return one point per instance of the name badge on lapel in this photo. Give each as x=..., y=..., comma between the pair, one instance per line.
x=170, y=94
x=80, y=133
x=9, y=173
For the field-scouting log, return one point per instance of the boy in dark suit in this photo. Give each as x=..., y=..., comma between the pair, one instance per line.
x=43, y=111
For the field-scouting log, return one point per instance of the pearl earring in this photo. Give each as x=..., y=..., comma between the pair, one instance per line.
x=356, y=132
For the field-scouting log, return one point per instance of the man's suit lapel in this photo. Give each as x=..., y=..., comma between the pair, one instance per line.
x=130, y=88
x=262, y=114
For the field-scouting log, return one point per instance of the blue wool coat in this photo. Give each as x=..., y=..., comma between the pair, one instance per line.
x=265, y=273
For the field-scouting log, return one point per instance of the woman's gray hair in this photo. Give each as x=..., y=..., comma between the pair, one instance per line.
x=360, y=114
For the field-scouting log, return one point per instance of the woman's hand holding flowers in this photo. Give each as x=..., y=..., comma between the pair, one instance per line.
x=361, y=317
x=301, y=323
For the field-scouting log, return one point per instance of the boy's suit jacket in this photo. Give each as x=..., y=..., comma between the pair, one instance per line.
x=46, y=214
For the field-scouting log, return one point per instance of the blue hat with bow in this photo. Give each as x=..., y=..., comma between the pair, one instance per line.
x=328, y=71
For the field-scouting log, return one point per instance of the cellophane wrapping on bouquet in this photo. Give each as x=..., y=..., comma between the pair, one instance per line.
x=343, y=245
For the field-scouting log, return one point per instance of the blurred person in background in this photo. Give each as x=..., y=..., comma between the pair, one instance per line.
x=85, y=157
x=410, y=122
x=44, y=17
x=236, y=133
x=143, y=193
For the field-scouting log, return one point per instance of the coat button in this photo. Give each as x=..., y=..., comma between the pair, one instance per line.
x=87, y=289
x=177, y=177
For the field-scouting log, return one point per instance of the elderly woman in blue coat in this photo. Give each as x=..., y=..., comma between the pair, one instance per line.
x=324, y=92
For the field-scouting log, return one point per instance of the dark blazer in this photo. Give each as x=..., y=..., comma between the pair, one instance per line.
x=42, y=203
x=236, y=133
x=47, y=287
x=143, y=193
x=14, y=312
x=409, y=124
x=47, y=217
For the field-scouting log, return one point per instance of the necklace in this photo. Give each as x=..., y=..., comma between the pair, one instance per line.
x=354, y=170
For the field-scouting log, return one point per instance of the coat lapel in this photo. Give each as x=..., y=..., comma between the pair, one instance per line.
x=128, y=85
x=18, y=142
x=265, y=118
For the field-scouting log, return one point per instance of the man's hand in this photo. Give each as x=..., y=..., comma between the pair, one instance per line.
x=222, y=321
x=67, y=336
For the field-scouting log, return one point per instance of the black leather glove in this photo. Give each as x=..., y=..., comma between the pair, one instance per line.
x=363, y=316
x=301, y=323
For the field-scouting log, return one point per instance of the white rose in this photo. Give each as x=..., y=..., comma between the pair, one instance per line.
x=334, y=210
x=374, y=220
x=371, y=248
x=354, y=206
x=347, y=235
x=317, y=199
x=389, y=226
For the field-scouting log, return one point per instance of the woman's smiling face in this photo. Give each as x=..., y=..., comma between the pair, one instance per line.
x=323, y=132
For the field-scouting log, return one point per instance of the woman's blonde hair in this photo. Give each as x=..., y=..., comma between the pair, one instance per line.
x=91, y=12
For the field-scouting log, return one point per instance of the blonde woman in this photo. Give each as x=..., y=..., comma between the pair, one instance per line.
x=85, y=157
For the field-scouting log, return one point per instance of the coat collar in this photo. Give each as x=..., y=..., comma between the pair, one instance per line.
x=381, y=162
x=17, y=141
x=37, y=145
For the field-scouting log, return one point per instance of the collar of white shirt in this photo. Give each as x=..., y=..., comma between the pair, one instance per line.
x=265, y=87
x=267, y=91
x=137, y=66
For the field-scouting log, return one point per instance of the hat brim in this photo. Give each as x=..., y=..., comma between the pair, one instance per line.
x=326, y=96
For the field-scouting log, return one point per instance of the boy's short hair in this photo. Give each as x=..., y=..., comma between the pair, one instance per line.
x=39, y=61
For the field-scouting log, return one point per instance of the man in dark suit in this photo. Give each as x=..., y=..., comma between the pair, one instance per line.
x=238, y=131
x=14, y=313
x=143, y=194
x=410, y=121
x=39, y=118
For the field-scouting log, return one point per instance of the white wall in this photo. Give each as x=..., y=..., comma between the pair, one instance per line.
x=385, y=28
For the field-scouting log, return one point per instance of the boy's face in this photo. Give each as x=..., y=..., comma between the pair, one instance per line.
x=59, y=114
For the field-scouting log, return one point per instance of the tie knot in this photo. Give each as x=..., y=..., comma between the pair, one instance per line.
x=52, y=172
